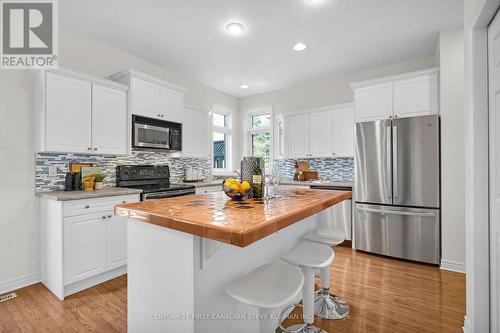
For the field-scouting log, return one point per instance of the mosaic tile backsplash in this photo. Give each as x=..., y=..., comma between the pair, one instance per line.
x=108, y=164
x=335, y=169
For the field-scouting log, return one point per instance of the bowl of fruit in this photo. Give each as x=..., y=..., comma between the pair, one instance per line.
x=236, y=190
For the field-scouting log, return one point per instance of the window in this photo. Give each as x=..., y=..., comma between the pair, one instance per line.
x=260, y=135
x=221, y=123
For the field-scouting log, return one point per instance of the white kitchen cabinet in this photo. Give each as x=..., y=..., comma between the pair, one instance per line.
x=297, y=135
x=109, y=120
x=399, y=96
x=82, y=242
x=373, y=102
x=67, y=114
x=209, y=189
x=145, y=99
x=416, y=96
x=116, y=241
x=171, y=104
x=196, y=133
x=343, y=131
x=84, y=247
x=152, y=97
x=79, y=113
x=320, y=138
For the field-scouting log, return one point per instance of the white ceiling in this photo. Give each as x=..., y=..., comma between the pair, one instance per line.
x=188, y=36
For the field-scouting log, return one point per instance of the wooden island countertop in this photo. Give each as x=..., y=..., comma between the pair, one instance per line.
x=241, y=223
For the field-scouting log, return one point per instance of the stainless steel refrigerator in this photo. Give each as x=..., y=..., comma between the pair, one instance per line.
x=397, y=188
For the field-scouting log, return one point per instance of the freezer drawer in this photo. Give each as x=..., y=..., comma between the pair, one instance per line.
x=408, y=233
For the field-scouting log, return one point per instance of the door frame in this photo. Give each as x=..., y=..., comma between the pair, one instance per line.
x=477, y=318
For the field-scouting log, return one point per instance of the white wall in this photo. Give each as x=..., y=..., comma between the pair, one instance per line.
x=451, y=62
x=19, y=230
x=328, y=91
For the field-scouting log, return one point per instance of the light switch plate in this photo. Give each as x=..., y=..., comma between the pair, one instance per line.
x=52, y=171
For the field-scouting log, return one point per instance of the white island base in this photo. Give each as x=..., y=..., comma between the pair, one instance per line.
x=176, y=281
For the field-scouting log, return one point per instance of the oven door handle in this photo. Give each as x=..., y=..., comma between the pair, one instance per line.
x=169, y=194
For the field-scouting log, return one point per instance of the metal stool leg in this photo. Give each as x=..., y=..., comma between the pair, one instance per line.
x=326, y=305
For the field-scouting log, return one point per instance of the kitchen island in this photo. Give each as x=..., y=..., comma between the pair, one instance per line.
x=183, y=251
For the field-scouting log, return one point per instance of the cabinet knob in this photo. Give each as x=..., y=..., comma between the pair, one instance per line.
x=103, y=217
x=124, y=202
x=89, y=148
x=95, y=148
x=390, y=117
x=87, y=206
x=395, y=116
x=159, y=115
x=110, y=216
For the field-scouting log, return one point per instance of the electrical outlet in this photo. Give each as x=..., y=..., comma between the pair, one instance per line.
x=52, y=171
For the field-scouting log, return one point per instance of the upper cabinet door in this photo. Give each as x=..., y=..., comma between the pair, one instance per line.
x=171, y=104
x=343, y=132
x=373, y=102
x=68, y=114
x=320, y=138
x=416, y=96
x=145, y=98
x=195, y=133
x=109, y=120
x=298, y=136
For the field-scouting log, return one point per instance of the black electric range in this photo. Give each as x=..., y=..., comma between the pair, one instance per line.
x=153, y=180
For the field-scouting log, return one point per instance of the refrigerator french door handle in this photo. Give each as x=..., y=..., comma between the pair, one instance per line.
x=388, y=162
x=395, y=161
x=396, y=212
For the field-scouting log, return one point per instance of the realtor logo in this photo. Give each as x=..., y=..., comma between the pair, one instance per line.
x=29, y=34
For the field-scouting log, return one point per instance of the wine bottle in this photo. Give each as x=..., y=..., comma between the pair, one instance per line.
x=257, y=185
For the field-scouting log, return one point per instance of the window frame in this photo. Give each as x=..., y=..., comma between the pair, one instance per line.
x=260, y=130
x=228, y=131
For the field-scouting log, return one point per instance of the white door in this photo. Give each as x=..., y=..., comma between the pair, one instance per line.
x=171, y=104
x=68, y=114
x=145, y=98
x=297, y=132
x=195, y=133
x=84, y=246
x=116, y=241
x=343, y=132
x=373, y=102
x=109, y=120
x=494, y=118
x=417, y=96
x=320, y=134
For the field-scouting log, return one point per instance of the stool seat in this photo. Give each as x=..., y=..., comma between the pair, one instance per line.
x=309, y=254
x=268, y=286
x=327, y=237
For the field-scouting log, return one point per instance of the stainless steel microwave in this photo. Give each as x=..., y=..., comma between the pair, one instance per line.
x=150, y=133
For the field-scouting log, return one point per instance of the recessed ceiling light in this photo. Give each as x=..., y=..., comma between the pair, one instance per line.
x=244, y=86
x=300, y=47
x=235, y=28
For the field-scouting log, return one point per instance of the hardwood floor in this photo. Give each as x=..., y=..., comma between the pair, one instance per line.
x=385, y=295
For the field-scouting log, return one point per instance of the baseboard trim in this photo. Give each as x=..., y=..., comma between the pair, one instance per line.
x=467, y=328
x=452, y=266
x=20, y=282
x=94, y=280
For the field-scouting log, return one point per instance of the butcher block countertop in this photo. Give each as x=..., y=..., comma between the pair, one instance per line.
x=215, y=216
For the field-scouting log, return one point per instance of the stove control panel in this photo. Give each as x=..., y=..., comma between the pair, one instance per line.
x=142, y=172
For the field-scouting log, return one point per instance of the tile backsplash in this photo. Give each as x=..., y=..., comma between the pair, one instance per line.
x=108, y=164
x=336, y=169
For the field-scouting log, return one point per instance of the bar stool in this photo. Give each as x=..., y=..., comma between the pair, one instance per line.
x=309, y=256
x=329, y=231
x=268, y=287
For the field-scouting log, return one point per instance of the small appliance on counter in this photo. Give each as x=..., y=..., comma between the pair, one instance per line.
x=153, y=180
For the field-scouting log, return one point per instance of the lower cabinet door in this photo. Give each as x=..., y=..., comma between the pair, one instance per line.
x=116, y=243
x=84, y=246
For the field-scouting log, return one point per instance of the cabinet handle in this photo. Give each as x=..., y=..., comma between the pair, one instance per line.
x=87, y=206
x=89, y=148
x=103, y=217
x=110, y=216
x=95, y=148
